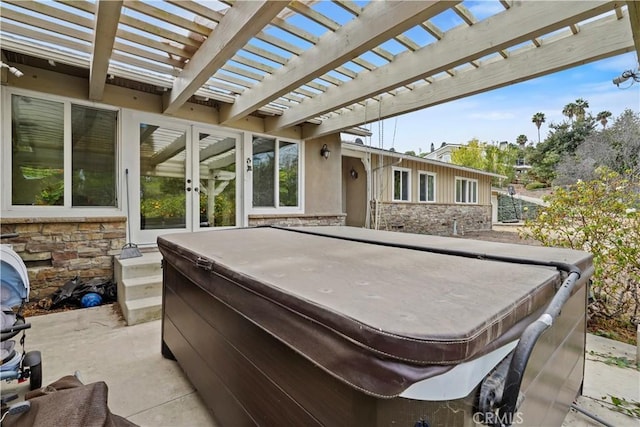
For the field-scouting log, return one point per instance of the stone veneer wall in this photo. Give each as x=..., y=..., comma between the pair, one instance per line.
x=296, y=220
x=58, y=249
x=428, y=218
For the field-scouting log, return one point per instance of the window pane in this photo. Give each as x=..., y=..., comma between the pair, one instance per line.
x=465, y=190
x=423, y=188
x=264, y=151
x=37, y=139
x=288, y=173
x=93, y=135
x=396, y=185
x=474, y=192
x=431, y=188
x=405, y=185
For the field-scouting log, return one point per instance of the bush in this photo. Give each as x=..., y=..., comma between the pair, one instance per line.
x=535, y=185
x=602, y=217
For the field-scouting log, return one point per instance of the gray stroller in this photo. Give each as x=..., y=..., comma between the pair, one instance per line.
x=14, y=292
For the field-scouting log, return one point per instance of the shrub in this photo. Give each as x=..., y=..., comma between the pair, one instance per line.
x=536, y=185
x=602, y=217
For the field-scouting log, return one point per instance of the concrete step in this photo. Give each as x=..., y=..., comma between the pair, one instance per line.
x=142, y=310
x=140, y=287
x=149, y=264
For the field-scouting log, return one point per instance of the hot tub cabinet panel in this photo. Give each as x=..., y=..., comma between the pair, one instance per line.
x=275, y=327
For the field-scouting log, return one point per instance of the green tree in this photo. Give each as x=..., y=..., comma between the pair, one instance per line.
x=487, y=157
x=617, y=148
x=581, y=108
x=602, y=217
x=538, y=119
x=570, y=110
x=562, y=141
x=470, y=155
x=521, y=140
x=602, y=118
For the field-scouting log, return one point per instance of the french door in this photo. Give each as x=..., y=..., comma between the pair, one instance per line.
x=184, y=178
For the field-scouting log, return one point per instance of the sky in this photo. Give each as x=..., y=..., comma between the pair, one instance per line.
x=503, y=114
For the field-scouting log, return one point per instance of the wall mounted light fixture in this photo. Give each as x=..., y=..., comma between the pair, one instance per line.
x=353, y=173
x=325, y=152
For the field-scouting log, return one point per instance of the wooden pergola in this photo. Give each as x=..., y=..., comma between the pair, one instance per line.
x=324, y=67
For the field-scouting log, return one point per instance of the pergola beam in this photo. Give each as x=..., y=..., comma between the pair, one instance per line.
x=243, y=21
x=463, y=44
x=334, y=49
x=596, y=40
x=104, y=36
x=634, y=17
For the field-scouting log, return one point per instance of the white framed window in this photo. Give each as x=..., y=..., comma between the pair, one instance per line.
x=63, y=153
x=466, y=190
x=401, y=184
x=276, y=174
x=427, y=184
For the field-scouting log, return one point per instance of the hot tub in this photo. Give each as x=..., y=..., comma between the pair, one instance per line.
x=343, y=326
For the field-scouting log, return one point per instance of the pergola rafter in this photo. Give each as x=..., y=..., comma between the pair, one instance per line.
x=530, y=62
x=329, y=52
x=325, y=66
x=461, y=45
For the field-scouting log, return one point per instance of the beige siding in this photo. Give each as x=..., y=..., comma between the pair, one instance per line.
x=445, y=180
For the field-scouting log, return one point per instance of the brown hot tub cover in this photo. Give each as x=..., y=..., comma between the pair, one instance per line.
x=388, y=315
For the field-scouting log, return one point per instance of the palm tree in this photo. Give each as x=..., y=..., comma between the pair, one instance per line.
x=602, y=118
x=538, y=119
x=521, y=140
x=581, y=108
x=570, y=110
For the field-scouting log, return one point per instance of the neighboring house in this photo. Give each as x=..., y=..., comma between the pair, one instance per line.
x=443, y=153
x=391, y=191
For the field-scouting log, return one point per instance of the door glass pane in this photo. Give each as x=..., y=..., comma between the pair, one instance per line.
x=217, y=160
x=288, y=173
x=37, y=136
x=93, y=135
x=264, y=151
x=162, y=177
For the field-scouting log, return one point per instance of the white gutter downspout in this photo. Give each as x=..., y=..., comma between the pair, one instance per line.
x=366, y=161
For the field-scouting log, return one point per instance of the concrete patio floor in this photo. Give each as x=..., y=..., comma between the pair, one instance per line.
x=149, y=390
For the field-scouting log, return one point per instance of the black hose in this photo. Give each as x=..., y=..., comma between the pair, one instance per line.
x=592, y=416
